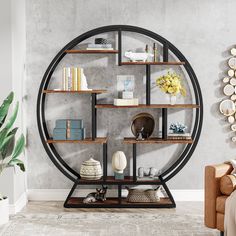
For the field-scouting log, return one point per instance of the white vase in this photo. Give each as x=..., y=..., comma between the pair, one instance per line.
x=4, y=211
x=172, y=100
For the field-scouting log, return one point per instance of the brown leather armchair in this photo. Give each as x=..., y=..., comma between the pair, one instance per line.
x=215, y=196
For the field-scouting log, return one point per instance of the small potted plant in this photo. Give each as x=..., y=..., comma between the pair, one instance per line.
x=171, y=84
x=9, y=149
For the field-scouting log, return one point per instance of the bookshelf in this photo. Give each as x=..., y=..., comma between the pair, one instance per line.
x=189, y=145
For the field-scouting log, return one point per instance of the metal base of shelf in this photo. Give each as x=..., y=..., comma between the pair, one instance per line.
x=119, y=202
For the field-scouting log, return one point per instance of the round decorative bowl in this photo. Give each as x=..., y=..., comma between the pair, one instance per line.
x=143, y=122
x=91, y=170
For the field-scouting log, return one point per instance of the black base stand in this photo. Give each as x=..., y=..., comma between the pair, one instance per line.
x=119, y=202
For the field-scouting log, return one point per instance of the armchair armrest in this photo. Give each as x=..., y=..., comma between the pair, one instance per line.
x=213, y=175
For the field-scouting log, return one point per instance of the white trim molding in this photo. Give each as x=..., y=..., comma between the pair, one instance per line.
x=19, y=204
x=180, y=195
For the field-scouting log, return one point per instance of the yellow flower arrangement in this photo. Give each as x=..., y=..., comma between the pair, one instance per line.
x=171, y=83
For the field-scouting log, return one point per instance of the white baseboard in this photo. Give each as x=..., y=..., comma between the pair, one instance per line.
x=19, y=205
x=182, y=195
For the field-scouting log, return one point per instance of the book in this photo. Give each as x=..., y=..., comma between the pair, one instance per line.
x=180, y=136
x=126, y=102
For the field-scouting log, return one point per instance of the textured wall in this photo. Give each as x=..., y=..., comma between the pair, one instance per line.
x=201, y=30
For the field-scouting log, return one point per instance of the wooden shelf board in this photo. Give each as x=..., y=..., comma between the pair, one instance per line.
x=92, y=51
x=153, y=63
x=114, y=202
x=149, y=106
x=85, y=141
x=157, y=140
x=111, y=180
x=97, y=91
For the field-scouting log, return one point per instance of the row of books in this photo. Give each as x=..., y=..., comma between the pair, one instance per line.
x=72, y=78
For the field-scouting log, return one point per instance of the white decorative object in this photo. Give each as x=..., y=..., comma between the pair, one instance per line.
x=233, y=51
x=233, y=127
x=231, y=119
x=138, y=56
x=226, y=80
x=233, y=81
x=84, y=84
x=227, y=107
x=91, y=170
x=119, y=162
x=229, y=90
x=231, y=73
x=232, y=63
x=233, y=162
x=4, y=211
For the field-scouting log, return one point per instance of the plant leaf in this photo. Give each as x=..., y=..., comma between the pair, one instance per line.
x=20, y=144
x=5, y=107
x=3, y=134
x=17, y=162
x=13, y=117
x=2, y=122
x=5, y=148
x=13, y=131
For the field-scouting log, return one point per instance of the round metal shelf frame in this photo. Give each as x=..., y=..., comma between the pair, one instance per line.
x=43, y=130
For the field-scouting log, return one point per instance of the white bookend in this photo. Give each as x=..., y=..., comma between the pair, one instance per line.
x=126, y=102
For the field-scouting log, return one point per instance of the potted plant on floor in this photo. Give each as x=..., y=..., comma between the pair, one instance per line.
x=9, y=148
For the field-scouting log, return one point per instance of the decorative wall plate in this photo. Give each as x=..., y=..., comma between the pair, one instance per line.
x=233, y=97
x=231, y=119
x=229, y=90
x=227, y=107
x=233, y=127
x=233, y=51
x=231, y=73
x=226, y=80
x=233, y=81
x=232, y=63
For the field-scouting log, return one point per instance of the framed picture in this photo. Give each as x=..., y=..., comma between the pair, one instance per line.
x=125, y=82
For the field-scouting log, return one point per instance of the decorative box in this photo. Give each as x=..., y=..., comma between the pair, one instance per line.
x=69, y=124
x=75, y=134
x=69, y=134
x=59, y=134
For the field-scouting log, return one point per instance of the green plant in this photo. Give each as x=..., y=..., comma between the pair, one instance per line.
x=9, y=148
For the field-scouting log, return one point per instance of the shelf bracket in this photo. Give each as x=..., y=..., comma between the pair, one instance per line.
x=164, y=123
x=94, y=116
x=165, y=52
x=119, y=47
x=148, y=84
x=134, y=161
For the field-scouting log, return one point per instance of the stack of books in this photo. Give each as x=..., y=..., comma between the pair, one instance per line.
x=179, y=136
x=94, y=46
x=126, y=99
x=69, y=129
x=72, y=78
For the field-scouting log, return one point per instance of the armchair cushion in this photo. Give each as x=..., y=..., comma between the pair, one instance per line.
x=227, y=184
x=220, y=204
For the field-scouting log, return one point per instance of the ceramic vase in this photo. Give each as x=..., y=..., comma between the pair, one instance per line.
x=4, y=211
x=91, y=170
x=172, y=99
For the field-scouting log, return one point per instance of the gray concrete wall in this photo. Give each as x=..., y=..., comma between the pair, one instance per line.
x=202, y=30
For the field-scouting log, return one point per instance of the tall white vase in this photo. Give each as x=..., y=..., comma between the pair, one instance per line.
x=172, y=100
x=4, y=211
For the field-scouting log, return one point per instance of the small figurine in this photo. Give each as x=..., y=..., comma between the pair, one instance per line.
x=151, y=172
x=140, y=134
x=99, y=195
x=178, y=128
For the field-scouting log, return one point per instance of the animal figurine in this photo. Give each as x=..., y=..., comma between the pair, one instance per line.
x=138, y=56
x=99, y=195
x=149, y=172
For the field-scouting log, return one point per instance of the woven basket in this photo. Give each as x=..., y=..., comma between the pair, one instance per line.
x=142, y=195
